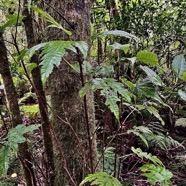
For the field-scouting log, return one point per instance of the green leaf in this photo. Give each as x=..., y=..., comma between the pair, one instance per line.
x=147, y=58
x=119, y=88
x=4, y=160
x=118, y=46
x=139, y=131
x=157, y=174
x=155, y=112
x=182, y=94
x=154, y=78
x=111, y=102
x=29, y=67
x=179, y=66
x=101, y=179
x=127, y=83
x=51, y=20
x=85, y=89
x=12, y=21
x=146, y=155
x=52, y=53
x=115, y=33
x=145, y=87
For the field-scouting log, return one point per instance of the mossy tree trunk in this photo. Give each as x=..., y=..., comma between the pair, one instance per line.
x=70, y=118
x=11, y=97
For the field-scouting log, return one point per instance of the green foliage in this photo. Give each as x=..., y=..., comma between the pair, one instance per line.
x=182, y=94
x=148, y=156
x=9, y=145
x=115, y=33
x=149, y=58
x=110, y=88
x=140, y=131
x=118, y=46
x=101, y=179
x=51, y=20
x=155, y=112
x=153, y=77
x=12, y=20
x=52, y=53
x=30, y=110
x=179, y=66
x=157, y=174
x=109, y=161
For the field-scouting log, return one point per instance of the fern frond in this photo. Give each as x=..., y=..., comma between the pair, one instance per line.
x=146, y=155
x=155, y=112
x=140, y=131
x=119, y=88
x=101, y=179
x=111, y=102
x=52, y=53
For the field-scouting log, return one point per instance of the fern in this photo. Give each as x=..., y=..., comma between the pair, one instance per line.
x=111, y=102
x=148, y=156
x=101, y=179
x=52, y=53
x=108, y=161
x=155, y=112
x=110, y=88
x=153, y=136
x=9, y=147
x=140, y=132
x=157, y=174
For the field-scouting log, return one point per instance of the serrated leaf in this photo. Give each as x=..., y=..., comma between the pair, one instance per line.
x=139, y=131
x=179, y=66
x=153, y=77
x=146, y=155
x=111, y=102
x=147, y=58
x=52, y=53
x=99, y=83
x=101, y=179
x=182, y=94
x=32, y=50
x=83, y=47
x=85, y=89
x=119, y=88
x=155, y=112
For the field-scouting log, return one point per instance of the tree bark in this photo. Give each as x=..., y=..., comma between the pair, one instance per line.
x=63, y=87
x=11, y=97
x=32, y=39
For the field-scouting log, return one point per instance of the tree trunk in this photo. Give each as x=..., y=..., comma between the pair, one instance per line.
x=11, y=97
x=63, y=86
x=32, y=40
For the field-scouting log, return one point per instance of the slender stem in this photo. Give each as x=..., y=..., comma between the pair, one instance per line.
x=86, y=112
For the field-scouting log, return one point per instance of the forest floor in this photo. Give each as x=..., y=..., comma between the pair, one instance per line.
x=119, y=160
